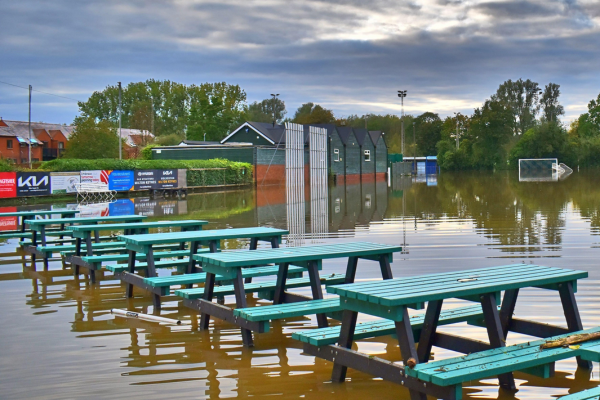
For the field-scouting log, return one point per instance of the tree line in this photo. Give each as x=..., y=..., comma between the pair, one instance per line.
x=520, y=120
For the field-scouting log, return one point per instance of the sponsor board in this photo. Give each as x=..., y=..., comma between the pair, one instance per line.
x=8, y=184
x=8, y=223
x=64, y=182
x=97, y=176
x=120, y=181
x=149, y=179
x=121, y=207
x=33, y=183
x=167, y=178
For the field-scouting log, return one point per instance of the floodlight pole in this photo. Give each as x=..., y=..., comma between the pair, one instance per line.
x=120, y=135
x=457, y=140
x=29, y=127
x=402, y=95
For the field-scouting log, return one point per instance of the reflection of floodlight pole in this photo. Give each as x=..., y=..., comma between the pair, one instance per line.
x=457, y=136
x=274, y=100
x=402, y=95
x=414, y=149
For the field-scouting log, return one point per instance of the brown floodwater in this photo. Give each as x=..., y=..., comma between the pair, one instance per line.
x=58, y=339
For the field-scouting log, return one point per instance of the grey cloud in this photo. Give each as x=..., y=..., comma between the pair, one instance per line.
x=515, y=9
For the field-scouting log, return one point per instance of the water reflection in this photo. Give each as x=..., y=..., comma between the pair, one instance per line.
x=60, y=325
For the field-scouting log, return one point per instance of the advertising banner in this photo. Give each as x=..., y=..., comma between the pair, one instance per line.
x=63, y=182
x=8, y=184
x=97, y=176
x=8, y=223
x=33, y=183
x=167, y=178
x=121, y=207
x=155, y=179
x=120, y=181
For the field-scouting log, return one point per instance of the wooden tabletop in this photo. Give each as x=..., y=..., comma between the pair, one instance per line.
x=36, y=213
x=136, y=225
x=51, y=221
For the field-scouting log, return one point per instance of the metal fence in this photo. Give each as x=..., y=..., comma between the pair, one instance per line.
x=294, y=174
x=319, y=210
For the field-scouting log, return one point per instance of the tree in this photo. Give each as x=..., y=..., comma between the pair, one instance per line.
x=310, y=113
x=551, y=108
x=91, y=140
x=389, y=124
x=491, y=128
x=521, y=98
x=594, y=111
x=429, y=129
x=547, y=140
x=263, y=111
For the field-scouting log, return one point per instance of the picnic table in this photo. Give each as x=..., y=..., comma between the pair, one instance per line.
x=444, y=378
x=39, y=229
x=21, y=215
x=145, y=244
x=231, y=265
x=83, y=234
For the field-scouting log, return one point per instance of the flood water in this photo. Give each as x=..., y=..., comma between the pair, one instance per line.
x=58, y=339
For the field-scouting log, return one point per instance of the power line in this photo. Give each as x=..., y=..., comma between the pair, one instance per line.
x=39, y=91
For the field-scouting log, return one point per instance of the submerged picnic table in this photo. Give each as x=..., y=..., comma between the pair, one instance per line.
x=22, y=232
x=83, y=234
x=145, y=244
x=444, y=378
x=39, y=230
x=231, y=265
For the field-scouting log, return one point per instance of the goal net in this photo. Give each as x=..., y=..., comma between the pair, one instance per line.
x=539, y=169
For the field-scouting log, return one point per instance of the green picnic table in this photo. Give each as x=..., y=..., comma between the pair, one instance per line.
x=22, y=232
x=231, y=265
x=211, y=238
x=444, y=378
x=83, y=234
x=39, y=229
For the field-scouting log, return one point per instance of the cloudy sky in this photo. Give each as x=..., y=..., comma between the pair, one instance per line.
x=348, y=55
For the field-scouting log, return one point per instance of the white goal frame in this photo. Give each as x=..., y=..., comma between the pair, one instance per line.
x=557, y=170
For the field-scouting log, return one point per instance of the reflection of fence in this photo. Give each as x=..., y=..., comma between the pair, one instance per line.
x=94, y=192
x=319, y=219
x=294, y=174
x=402, y=168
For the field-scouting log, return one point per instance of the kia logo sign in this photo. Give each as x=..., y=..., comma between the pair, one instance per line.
x=33, y=181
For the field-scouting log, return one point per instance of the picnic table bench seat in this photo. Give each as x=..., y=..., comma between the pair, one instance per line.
x=196, y=293
x=371, y=329
x=29, y=235
x=590, y=394
x=497, y=361
x=120, y=268
x=98, y=259
x=80, y=230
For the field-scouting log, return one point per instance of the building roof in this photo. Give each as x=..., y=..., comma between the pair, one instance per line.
x=135, y=137
x=20, y=129
x=361, y=135
x=375, y=135
x=197, y=143
x=344, y=132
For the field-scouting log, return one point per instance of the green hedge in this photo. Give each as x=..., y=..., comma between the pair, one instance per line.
x=5, y=166
x=200, y=172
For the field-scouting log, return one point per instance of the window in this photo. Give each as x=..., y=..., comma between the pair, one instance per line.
x=336, y=155
x=9, y=144
x=35, y=160
x=367, y=155
x=61, y=145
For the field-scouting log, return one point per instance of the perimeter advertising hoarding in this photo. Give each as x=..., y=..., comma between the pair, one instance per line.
x=63, y=182
x=33, y=183
x=8, y=223
x=149, y=179
x=96, y=176
x=8, y=184
x=120, y=181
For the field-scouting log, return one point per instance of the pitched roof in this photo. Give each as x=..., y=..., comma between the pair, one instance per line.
x=361, y=135
x=135, y=137
x=344, y=132
x=20, y=129
x=375, y=135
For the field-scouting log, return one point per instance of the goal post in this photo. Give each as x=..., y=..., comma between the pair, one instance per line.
x=538, y=169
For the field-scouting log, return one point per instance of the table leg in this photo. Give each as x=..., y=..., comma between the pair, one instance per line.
x=90, y=252
x=209, y=287
x=213, y=248
x=346, y=337
x=384, y=265
x=280, y=285
x=240, y=302
x=567, y=297
x=34, y=244
x=97, y=236
x=22, y=226
x=253, y=246
x=275, y=242
x=351, y=269
x=193, y=250
x=432, y=316
x=43, y=234
x=317, y=292
x=508, y=309
x=406, y=340
x=495, y=334
x=77, y=254
x=151, y=273
x=131, y=270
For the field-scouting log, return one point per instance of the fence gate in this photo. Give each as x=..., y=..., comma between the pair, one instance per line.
x=319, y=214
x=294, y=182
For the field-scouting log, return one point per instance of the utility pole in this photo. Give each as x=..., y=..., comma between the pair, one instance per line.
x=273, y=106
x=457, y=136
x=414, y=149
x=402, y=95
x=152, y=106
x=30, y=126
x=120, y=136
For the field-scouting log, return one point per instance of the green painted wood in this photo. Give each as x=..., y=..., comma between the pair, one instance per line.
x=238, y=259
x=67, y=247
x=38, y=213
x=227, y=290
x=366, y=330
x=288, y=310
x=36, y=224
x=398, y=292
x=141, y=266
x=188, y=279
x=120, y=252
x=29, y=235
x=214, y=234
x=488, y=363
x=590, y=394
x=137, y=225
x=95, y=259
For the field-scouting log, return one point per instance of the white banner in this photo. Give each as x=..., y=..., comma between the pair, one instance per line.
x=63, y=182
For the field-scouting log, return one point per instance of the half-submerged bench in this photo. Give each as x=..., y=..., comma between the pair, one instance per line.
x=230, y=265
x=590, y=394
x=83, y=234
x=210, y=238
x=443, y=379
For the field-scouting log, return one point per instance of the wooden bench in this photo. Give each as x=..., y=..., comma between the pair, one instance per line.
x=389, y=300
x=99, y=259
x=590, y=394
x=83, y=234
x=210, y=238
x=120, y=268
x=230, y=266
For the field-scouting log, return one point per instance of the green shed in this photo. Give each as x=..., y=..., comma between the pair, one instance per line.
x=367, y=152
x=381, y=152
x=257, y=133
